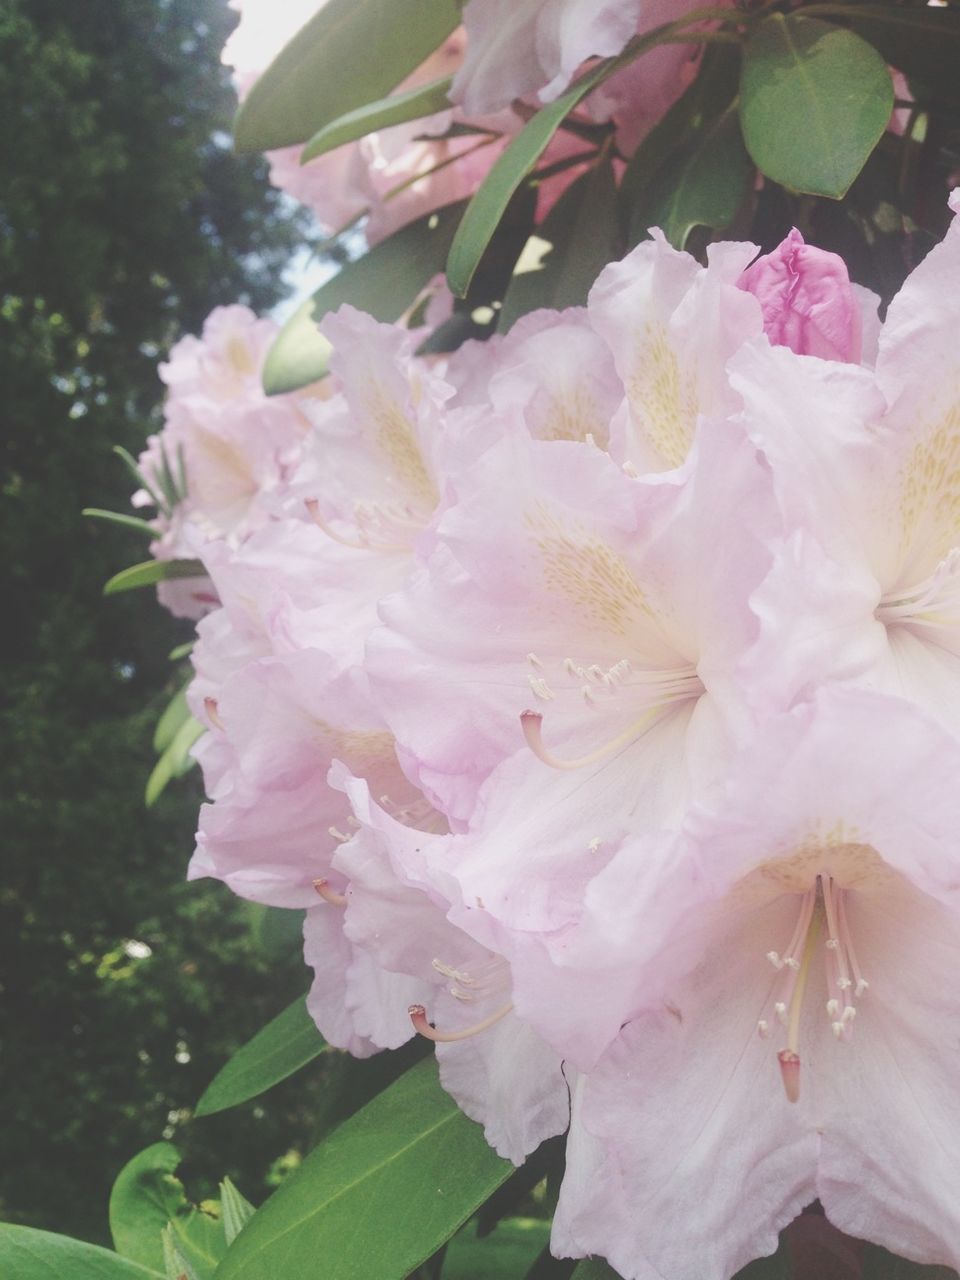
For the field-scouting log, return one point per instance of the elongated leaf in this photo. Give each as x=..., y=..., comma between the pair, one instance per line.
x=384, y=283
x=175, y=761
x=148, y=1201
x=350, y=53
x=176, y=1267
x=152, y=571
x=394, y=109
x=175, y=713
x=504, y=1254
x=181, y=650
x=236, y=1209
x=380, y=1195
x=118, y=517
x=923, y=42
x=489, y=204
x=582, y=229
x=815, y=99
x=708, y=184
x=284, y=1045
x=26, y=1254
x=140, y=478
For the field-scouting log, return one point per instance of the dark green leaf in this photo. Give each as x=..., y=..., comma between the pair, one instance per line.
x=490, y=203
x=709, y=182
x=379, y=1196
x=284, y=1045
x=384, y=282
x=152, y=571
x=181, y=650
x=117, y=517
x=815, y=99
x=140, y=478
x=878, y=1264
x=397, y=108
x=175, y=761
x=506, y=1254
x=276, y=931
x=236, y=1210
x=350, y=53
x=923, y=42
x=26, y=1254
x=582, y=230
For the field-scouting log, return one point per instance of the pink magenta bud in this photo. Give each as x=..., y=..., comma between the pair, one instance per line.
x=807, y=300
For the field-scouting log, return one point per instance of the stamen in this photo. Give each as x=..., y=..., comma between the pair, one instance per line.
x=329, y=895
x=211, y=708
x=418, y=1016
x=532, y=722
x=934, y=602
x=789, y=1058
x=362, y=543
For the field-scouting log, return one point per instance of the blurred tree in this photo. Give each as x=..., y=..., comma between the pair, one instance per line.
x=124, y=218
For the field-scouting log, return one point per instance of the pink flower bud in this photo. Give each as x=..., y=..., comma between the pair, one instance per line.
x=807, y=300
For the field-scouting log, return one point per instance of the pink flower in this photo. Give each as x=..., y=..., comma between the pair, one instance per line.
x=797, y=1040
x=807, y=300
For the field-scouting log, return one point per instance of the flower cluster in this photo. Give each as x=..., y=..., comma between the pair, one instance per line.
x=596, y=690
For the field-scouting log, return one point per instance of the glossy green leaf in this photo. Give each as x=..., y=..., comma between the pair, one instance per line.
x=397, y=108
x=378, y=1196
x=582, y=230
x=815, y=99
x=878, y=1264
x=384, y=283
x=27, y=1254
x=284, y=1045
x=175, y=760
x=151, y=572
x=490, y=202
x=175, y=1265
x=923, y=42
x=146, y=1199
x=118, y=517
x=350, y=53
x=236, y=1210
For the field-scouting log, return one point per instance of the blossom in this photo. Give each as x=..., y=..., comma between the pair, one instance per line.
x=813, y=894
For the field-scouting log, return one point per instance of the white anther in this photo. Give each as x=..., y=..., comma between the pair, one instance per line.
x=833, y=1009
x=630, y=470
x=594, y=844
x=837, y=1029
x=338, y=834
x=862, y=986
x=540, y=688
x=780, y=1009
x=848, y=1015
x=832, y=944
x=588, y=694
x=774, y=959
x=792, y=963
x=763, y=1029
x=534, y=660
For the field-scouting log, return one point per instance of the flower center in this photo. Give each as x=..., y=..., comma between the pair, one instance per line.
x=650, y=690
x=822, y=905
x=934, y=602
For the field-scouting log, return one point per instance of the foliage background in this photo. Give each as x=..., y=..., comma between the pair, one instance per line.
x=124, y=217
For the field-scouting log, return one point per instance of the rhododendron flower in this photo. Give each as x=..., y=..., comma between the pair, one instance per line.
x=796, y=1043
x=560, y=678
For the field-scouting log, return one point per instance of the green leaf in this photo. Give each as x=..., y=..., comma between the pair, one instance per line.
x=118, y=517
x=27, y=1254
x=181, y=650
x=505, y=1254
x=147, y=1199
x=397, y=108
x=276, y=931
x=176, y=1267
x=923, y=42
x=709, y=183
x=815, y=100
x=878, y=1264
x=379, y=1196
x=350, y=53
x=140, y=478
x=490, y=202
x=175, y=760
x=284, y=1045
x=384, y=282
x=582, y=230
x=145, y=1196
x=175, y=713
x=152, y=571
x=236, y=1209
